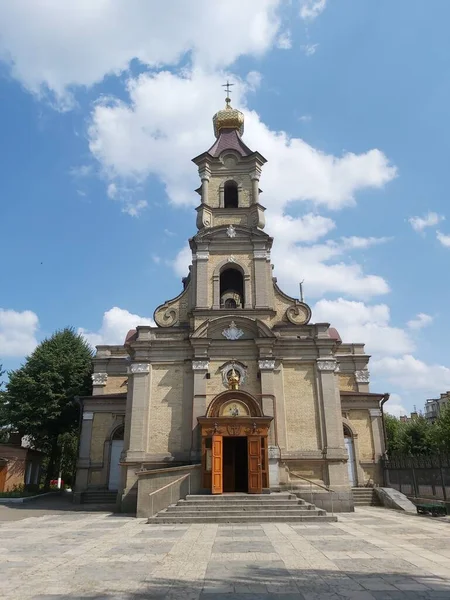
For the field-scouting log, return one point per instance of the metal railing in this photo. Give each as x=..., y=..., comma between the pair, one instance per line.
x=170, y=485
x=311, y=483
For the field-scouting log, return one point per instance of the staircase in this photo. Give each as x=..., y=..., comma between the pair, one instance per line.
x=242, y=508
x=98, y=497
x=365, y=497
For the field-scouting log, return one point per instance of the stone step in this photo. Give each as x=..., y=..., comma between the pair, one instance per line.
x=255, y=503
x=240, y=507
x=365, y=497
x=244, y=514
x=288, y=518
x=241, y=497
x=99, y=497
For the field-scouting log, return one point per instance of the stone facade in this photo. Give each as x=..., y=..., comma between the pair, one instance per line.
x=313, y=389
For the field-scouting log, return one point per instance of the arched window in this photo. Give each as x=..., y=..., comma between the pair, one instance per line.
x=231, y=194
x=118, y=433
x=231, y=289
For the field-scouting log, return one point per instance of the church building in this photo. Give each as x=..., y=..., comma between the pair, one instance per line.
x=235, y=378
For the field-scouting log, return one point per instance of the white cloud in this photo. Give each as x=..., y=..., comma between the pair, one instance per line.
x=310, y=49
x=53, y=45
x=421, y=320
x=17, y=332
x=305, y=118
x=355, y=242
x=284, y=41
x=443, y=239
x=182, y=261
x=368, y=324
x=410, y=373
x=135, y=207
x=394, y=406
x=311, y=9
x=428, y=220
x=116, y=323
x=254, y=79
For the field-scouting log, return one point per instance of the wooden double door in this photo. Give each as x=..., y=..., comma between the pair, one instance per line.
x=238, y=463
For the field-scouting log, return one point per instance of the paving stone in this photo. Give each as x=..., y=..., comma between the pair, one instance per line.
x=373, y=554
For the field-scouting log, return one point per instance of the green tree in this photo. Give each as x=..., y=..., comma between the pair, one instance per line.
x=441, y=431
x=417, y=437
x=394, y=429
x=39, y=400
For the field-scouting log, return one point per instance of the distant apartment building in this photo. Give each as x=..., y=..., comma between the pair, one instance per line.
x=434, y=406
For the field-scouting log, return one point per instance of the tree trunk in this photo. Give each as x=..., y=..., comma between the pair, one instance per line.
x=51, y=463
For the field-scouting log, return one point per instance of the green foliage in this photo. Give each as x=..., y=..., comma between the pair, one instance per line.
x=414, y=437
x=441, y=433
x=39, y=400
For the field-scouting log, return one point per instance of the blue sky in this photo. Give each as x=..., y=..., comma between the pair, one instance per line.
x=103, y=110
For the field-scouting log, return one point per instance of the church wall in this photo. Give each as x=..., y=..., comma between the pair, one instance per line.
x=301, y=407
x=215, y=385
x=115, y=384
x=280, y=306
x=347, y=383
x=360, y=422
x=101, y=428
x=166, y=409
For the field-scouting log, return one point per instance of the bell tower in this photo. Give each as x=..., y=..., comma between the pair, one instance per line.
x=231, y=267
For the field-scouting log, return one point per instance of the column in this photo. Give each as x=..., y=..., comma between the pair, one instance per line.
x=334, y=450
x=255, y=187
x=199, y=404
x=204, y=175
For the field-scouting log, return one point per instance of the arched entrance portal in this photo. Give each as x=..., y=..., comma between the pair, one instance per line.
x=351, y=463
x=114, y=458
x=235, y=444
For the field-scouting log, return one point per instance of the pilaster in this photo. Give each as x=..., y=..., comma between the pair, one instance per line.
x=99, y=383
x=201, y=258
x=377, y=432
x=334, y=448
x=362, y=378
x=83, y=462
x=139, y=384
x=200, y=368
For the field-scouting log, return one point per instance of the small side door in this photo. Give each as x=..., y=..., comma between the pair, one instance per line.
x=217, y=464
x=254, y=465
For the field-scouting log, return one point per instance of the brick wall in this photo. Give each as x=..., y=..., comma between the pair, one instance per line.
x=116, y=384
x=166, y=410
x=215, y=385
x=360, y=420
x=347, y=383
x=300, y=405
x=101, y=428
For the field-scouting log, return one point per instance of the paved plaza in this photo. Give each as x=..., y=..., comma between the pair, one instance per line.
x=371, y=554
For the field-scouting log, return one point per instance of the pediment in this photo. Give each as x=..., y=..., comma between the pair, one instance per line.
x=230, y=232
x=233, y=328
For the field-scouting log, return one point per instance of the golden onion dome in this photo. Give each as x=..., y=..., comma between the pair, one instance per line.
x=228, y=118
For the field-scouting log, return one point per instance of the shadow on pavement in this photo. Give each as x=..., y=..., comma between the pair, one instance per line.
x=238, y=581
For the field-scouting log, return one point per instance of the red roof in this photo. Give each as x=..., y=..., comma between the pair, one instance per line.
x=229, y=139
